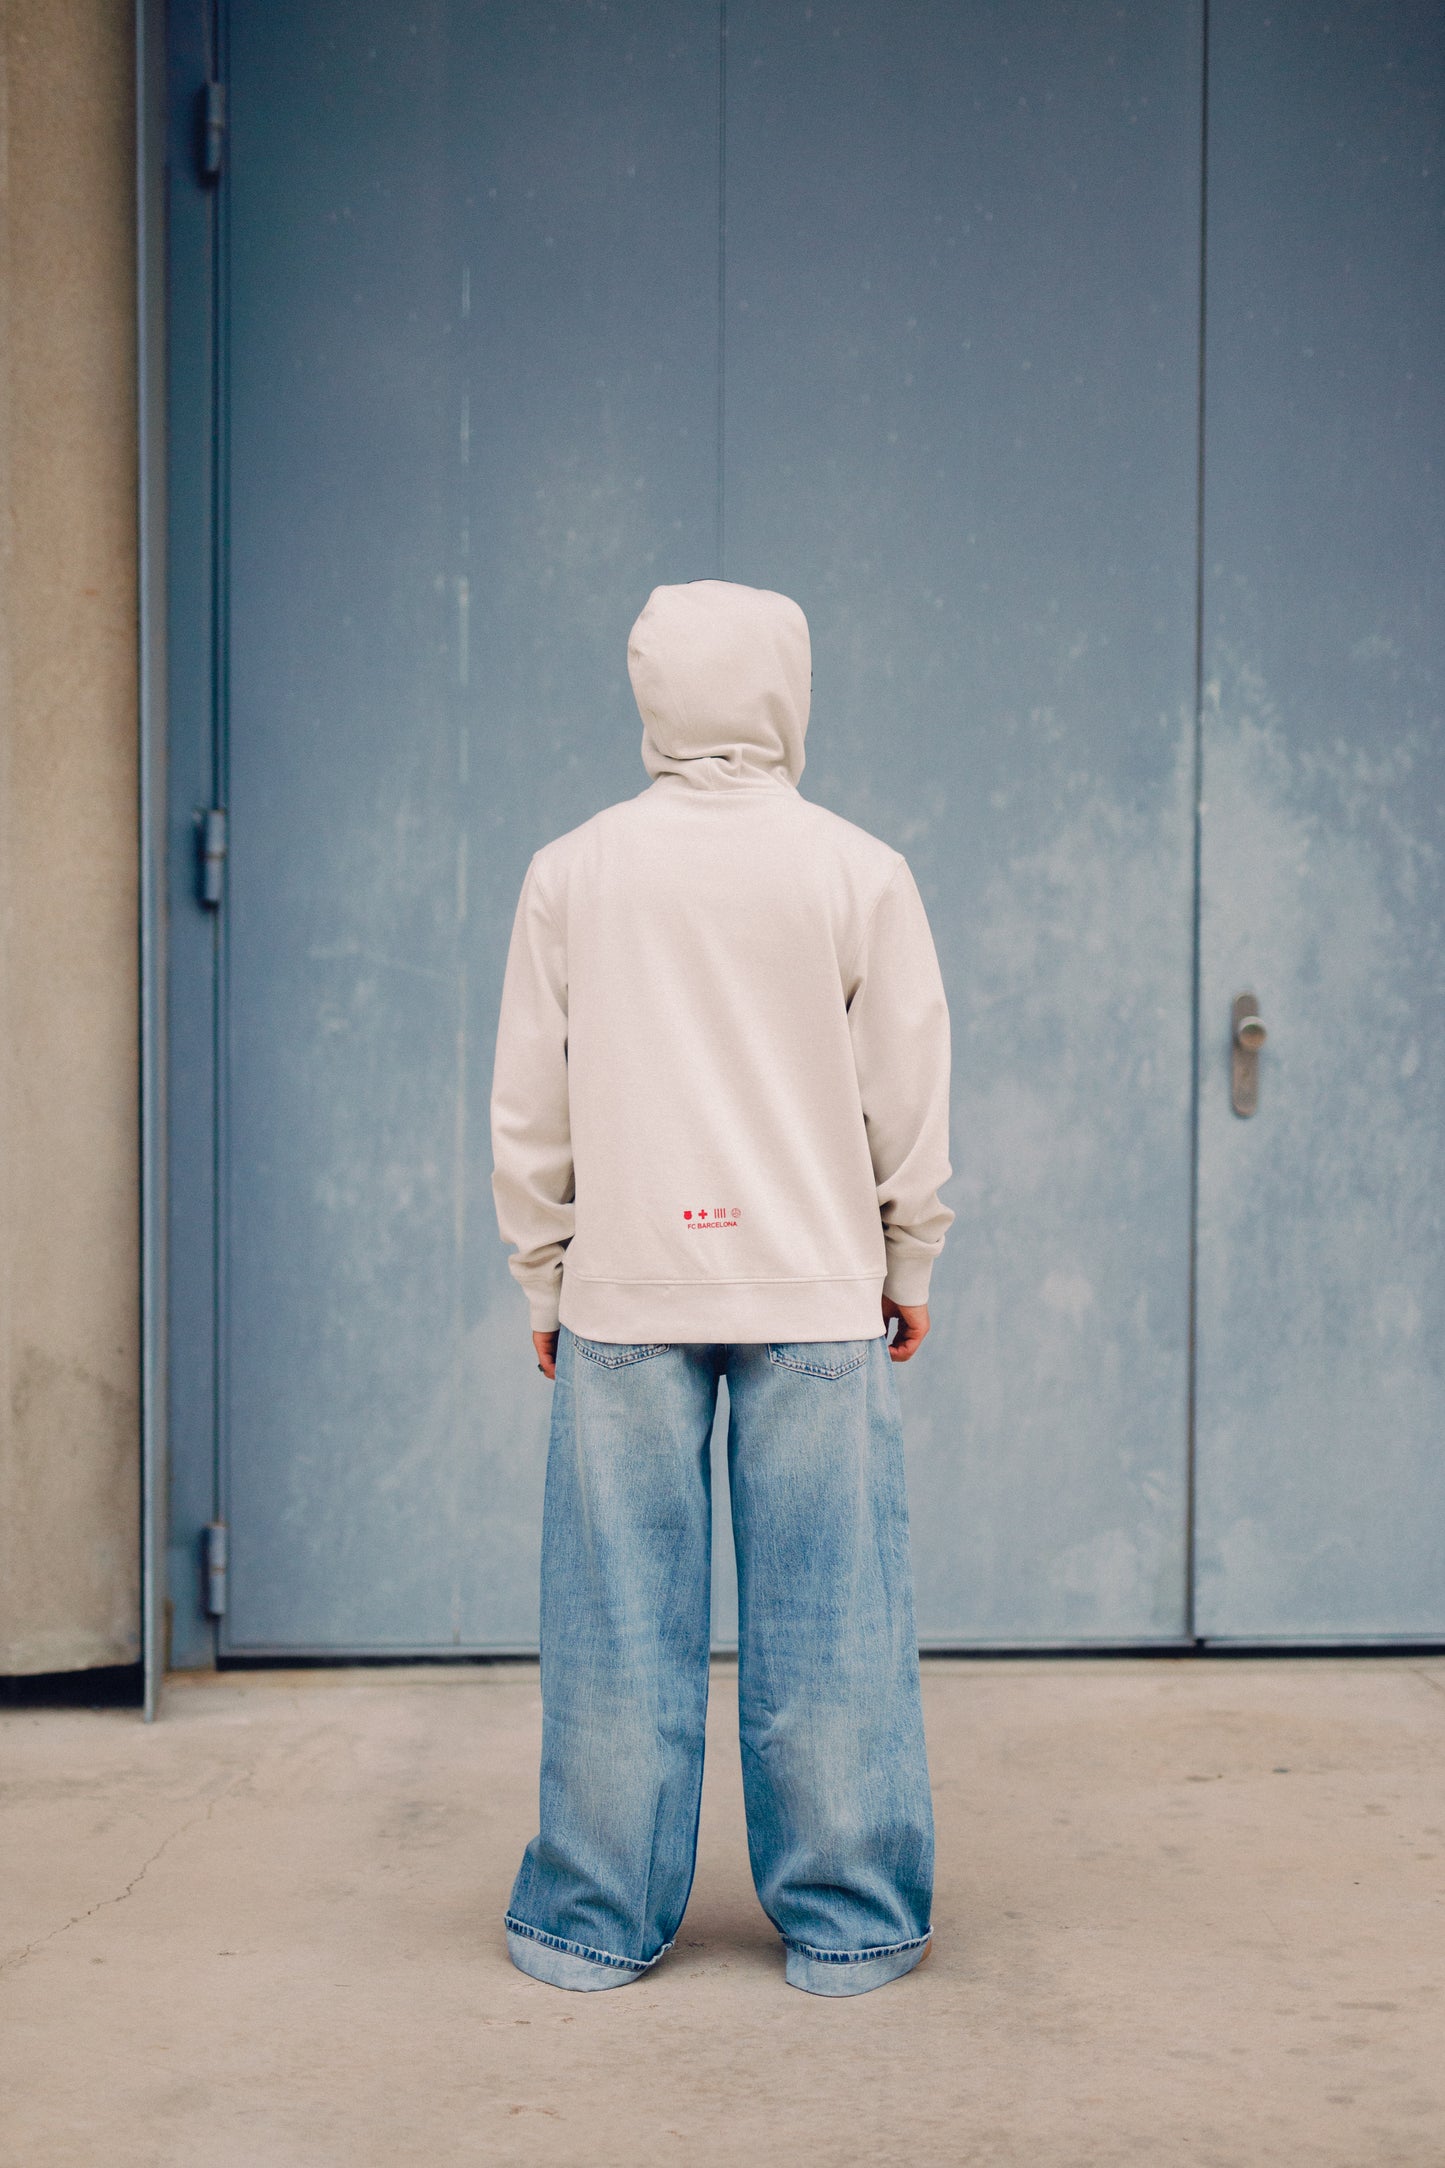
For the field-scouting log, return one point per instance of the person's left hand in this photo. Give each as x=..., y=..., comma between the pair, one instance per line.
x=546, y=1345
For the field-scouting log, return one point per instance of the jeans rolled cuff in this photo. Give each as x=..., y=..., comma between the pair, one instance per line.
x=571, y=1964
x=852, y=1972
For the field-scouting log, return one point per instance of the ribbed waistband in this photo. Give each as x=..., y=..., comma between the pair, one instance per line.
x=727, y=1310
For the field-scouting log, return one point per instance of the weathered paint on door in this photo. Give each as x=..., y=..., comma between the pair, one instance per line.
x=1321, y=1395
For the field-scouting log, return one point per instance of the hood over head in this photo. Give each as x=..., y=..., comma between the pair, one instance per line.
x=723, y=676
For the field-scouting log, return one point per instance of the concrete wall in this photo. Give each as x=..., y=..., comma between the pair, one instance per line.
x=69, y=1046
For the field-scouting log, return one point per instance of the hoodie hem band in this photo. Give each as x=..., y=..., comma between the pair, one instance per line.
x=726, y=1311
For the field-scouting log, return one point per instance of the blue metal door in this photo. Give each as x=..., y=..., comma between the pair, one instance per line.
x=1321, y=1343
x=472, y=407
x=521, y=309
x=961, y=367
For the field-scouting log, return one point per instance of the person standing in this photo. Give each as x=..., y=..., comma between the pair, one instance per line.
x=720, y=1127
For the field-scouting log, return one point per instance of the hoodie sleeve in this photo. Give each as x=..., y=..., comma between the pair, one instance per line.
x=532, y=1173
x=898, y=1017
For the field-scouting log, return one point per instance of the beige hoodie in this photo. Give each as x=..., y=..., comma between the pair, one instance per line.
x=720, y=1100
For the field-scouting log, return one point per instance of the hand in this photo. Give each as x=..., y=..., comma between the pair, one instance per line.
x=912, y=1328
x=546, y=1345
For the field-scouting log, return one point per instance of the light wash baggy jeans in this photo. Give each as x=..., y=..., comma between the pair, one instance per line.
x=835, y=1776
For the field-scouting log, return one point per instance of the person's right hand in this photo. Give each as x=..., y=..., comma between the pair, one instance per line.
x=912, y=1328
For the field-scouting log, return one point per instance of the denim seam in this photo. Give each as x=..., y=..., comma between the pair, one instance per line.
x=853, y=1957
x=812, y=1369
x=702, y=1758
x=580, y=1949
x=637, y=1352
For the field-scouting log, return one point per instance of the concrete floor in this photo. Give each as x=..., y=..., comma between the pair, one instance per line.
x=1187, y=1912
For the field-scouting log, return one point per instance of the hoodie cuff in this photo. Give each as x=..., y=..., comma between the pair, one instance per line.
x=907, y=1280
x=544, y=1308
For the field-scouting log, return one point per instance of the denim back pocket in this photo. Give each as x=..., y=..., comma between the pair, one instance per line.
x=819, y=1358
x=616, y=1354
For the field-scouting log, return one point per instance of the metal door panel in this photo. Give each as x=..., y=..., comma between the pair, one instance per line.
x=1321, y=1334
x=472, y=351
x=961, y=375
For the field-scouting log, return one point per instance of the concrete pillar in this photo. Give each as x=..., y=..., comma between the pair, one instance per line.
x=69, y=1043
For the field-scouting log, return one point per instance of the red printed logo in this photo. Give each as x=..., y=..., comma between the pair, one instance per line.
x=704, y=1218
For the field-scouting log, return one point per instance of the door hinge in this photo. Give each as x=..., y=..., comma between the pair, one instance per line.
x=213, y=130
x=213, y=1568
x=211, y=828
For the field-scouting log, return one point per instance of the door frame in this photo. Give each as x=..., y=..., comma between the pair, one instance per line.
x=151, y=691
x=182, y=210
x=181, y=680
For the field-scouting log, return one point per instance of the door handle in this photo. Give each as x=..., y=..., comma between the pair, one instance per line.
x=1248, y=1037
